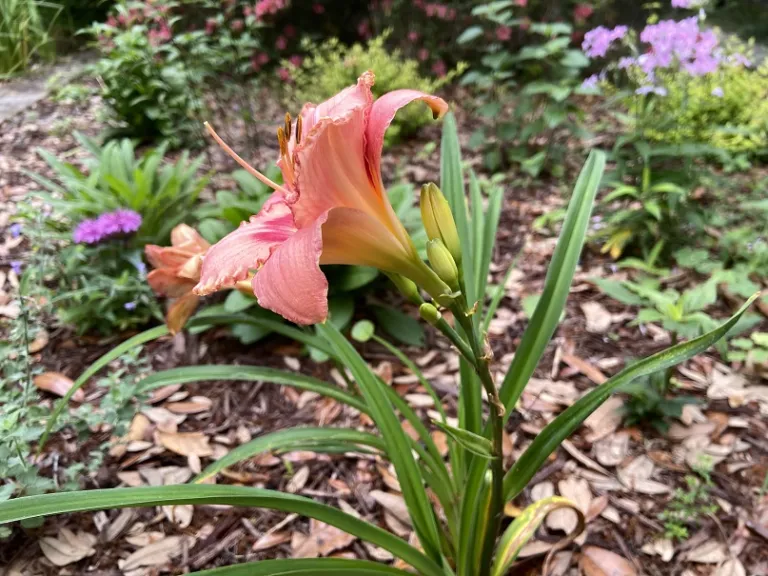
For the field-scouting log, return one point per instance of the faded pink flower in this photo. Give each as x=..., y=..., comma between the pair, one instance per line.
x=332, y=209
x=237, y=25
x=364, y=29
x=503, y=33
x=423, y=54
x=210, y=26
x=413, y=36
x=262, y=58
x=281, y=43
x=284, y=74
x=521, y=3
x=582, y=11
x=439, y=68
x=296, y=60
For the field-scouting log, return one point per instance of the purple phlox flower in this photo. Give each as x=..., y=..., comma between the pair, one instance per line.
x=591, y=82
x=626, y=62
x=16, y=267
x=650, y=89
x=739, y=60
x=88, y=232
x=15, y=230
x=718, y=91
x=598, y=41
x=130, y=305
x=681, y=3
x=671, y=41
x=142, y=268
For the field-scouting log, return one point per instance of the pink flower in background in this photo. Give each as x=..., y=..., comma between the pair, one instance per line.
x=238, y=25
x=160, y=35
x=281, y=43
x=423, y=54
x=503, y=33
x=439, y=68
x=441, y=11
x=331, y=209
x=284, y=74
x=265, y=7
x=262, y=58
x=112, y=21
x=289, y=31
x=413, y=36
x=364, y=29
x=249, y=10
x=451, y=14
x=318, y=8
x=210, y=26
x=296, y=60
x=582, y=11
x=525, y=24
x=521, y=3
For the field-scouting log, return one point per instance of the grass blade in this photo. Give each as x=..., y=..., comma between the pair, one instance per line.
x=87, y=500
x=305, y=567
x=557, y=284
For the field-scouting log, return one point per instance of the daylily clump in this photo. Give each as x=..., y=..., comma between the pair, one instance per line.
x=177, y=271
x=332, y=208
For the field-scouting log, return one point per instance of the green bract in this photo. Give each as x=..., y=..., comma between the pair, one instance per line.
x=455, y=507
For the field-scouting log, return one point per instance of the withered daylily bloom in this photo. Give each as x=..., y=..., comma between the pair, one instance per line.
x=177, y=271
x=331, y=209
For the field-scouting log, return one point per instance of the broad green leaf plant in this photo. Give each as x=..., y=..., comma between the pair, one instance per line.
x=456, y=507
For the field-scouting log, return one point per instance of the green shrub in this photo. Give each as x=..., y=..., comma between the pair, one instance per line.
x=331, y=66
x=737, y=121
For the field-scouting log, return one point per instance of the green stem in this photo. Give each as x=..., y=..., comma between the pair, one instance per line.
x=481, y=364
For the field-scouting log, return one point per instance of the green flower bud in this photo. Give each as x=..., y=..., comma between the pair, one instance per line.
x=438, y=220
x=430, y=314
x=407, y=288
x=443, y=263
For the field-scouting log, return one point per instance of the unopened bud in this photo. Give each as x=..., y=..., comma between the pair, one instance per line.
x=430, y=314
x=438, y=220
x=407, y=288
x=443, y=263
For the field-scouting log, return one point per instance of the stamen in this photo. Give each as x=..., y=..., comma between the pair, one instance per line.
x=298, y=129
x=243, y=163
x=283, y=143
x=287, y=125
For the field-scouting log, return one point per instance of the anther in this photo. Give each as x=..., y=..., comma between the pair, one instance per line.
x=287, y=125
x=281, y=141
x=298, y=129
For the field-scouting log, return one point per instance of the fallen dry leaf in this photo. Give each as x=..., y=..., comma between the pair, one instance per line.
x=194, y=405
x=710, y=552
x=611, y=450
x=40, y=342
x=69, y=547
x=605, y=420
x=392, y=503
x=323, y=539
x=298, y=480
x=157, y=553
x=185, y=443
x=637, y=476
x=598, y=318
x=271, y=540
x=57, y=383
x=662, y=547
x=600, y=562
x=732, y=567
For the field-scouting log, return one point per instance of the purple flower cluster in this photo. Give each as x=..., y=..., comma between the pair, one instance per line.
x=598, y=41
x=107, y=225
x=681, y=3
x=670, y=41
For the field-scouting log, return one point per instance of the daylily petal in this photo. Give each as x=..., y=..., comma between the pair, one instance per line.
x=291, y=283
x=184, y=236
x=167, y=256
x=382, y=113
x=180, y=311
x=165, y=282
x=247, y=248
x=330, y=161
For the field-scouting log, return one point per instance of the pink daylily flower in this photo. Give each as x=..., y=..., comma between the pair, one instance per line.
x=331, y=209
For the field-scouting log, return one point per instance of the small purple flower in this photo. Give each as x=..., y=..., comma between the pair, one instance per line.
x=591, y=82
x=130, y=305
x=681, y=3
x=598, y=41
x=626, y=62
x=142, y=268
x=16, y=266
x=15, y=230
x=718, y=91
x=88, y=232
x=109, y=224
x=650, y=89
